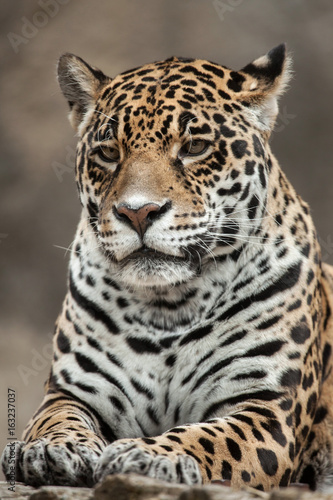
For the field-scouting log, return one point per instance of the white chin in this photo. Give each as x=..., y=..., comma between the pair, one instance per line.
x=148, y=273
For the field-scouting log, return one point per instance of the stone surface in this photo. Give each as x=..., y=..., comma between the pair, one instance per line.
x=21, y=491
x=134, y=487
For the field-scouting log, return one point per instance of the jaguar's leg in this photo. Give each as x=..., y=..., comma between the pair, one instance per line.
x=254, y=446
x=61, y=445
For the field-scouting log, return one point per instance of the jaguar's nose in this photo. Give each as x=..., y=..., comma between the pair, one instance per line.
x=140, y=218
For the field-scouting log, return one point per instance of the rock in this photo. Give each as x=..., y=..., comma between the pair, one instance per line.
x=219, y=492
x=43, y=494
x=299, y=494
x=62, y=493
x=134, y=487
x=22, y=492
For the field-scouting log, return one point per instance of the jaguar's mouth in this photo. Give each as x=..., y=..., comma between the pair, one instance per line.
x=146, y=267
x=145, y=253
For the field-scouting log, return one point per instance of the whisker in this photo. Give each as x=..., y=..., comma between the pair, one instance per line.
x=106, y=116
x=68, y=249
x=245, y=236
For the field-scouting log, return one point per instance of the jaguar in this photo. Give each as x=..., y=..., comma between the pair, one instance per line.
x=195, y=340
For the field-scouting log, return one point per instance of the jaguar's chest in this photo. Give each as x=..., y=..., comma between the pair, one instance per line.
x=149, y=383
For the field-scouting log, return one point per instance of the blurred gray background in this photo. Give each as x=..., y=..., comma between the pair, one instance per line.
x=39, y=204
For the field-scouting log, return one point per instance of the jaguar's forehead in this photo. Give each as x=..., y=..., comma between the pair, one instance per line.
x=175, y=69
x=173, y=85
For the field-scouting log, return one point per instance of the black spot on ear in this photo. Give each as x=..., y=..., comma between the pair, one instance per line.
x=274, y=66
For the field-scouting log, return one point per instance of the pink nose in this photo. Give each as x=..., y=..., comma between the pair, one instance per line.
x=140, y=218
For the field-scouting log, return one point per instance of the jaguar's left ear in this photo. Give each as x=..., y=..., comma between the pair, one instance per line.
x=266, y=79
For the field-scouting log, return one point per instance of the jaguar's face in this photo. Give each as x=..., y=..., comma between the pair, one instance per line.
x=171, y=169
x=175, y=192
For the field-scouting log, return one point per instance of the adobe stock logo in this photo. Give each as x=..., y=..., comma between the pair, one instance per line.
x=31, y=27
x=224, y=8
x=38, y=362
x=67, y=166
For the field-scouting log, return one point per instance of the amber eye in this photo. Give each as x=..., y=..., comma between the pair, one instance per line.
x=108, y=154
x=193, y=148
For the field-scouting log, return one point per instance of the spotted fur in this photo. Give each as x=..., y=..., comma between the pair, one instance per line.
x=195, y=339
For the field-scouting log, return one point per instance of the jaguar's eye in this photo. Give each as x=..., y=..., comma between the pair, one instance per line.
x=108, y=154
x=193, y=148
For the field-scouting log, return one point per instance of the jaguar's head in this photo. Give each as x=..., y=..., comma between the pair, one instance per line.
x=173, y=162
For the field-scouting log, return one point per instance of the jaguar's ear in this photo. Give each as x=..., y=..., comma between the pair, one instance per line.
x=266, y=78
x=80, y=84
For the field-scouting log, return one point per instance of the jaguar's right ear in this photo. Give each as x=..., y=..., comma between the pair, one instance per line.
x=80, y=84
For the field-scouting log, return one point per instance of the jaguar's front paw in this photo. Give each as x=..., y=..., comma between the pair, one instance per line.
x=41, y=462
x=132, y=456
x=10, y=461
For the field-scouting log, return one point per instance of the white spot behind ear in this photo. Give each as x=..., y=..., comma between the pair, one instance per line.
x=85, y=119
x=264, y=114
